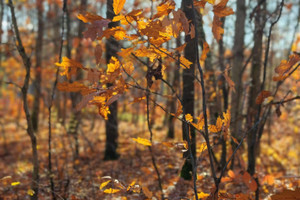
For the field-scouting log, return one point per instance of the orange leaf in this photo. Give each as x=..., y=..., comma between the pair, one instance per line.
x=164, y=8
x=231, y=174
x=221, y=10
x=217, y=29
x=118, y=6
x=269, y=179
x=204, y=51
x=89, y=17
x=262, y=95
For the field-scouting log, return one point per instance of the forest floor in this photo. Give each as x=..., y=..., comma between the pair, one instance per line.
x=132, y=175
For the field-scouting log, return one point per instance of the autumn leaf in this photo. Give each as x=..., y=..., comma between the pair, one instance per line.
x=15, y=183
x=216, y=128
x=179, y=110
x=89, y=17
x=221, y=10
x=202, y=195
x=189, y=118
x=184, y=63
x=118, y=6
x=217, y=29
x=30, y=192
x=200, y=122
x=269, y=179
x=285, y=66
x=204, y=53
x=104, y=184
x=128, y=67
x=66, y=64
x=164, y=8
x=111, y=191
x=142, y=141
x=113, y=65
x=95, y=30
x=261, y=97
x=180, y=48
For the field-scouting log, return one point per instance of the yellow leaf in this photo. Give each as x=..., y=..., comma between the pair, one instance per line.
x=15, y=183
x=104, y=184
x=118, y=6
x=212, y=2
x=189, y=118
x=185, y=63
x=30, y=192
x=113, y=65
x=219, y=123
x=142, y=141
x=202, y=195
x=202, y=147
x=111, y=191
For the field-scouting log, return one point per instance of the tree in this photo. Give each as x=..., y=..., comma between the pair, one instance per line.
x=111, y=125
x=188, y=91
x=38, y=65
x=237, y=72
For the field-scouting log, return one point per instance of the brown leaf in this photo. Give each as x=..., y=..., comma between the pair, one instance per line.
x=261, y=97
x=217, y=29
x=98, y=53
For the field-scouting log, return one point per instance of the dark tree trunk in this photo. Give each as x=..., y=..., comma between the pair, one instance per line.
x=255, y=87
x=27, y=64
x=188, y=92
x=111, y=125
x=238, y=59
x=38, y=66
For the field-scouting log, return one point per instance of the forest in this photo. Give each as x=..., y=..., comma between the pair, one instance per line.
x=149, y=99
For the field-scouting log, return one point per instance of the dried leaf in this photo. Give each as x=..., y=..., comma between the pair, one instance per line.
x=98, y=53
x=262, y=95
x=142, y=141
x=104, y=184
x=89, y=17
x=111, y=191
x=96, y=29
x=217, y=29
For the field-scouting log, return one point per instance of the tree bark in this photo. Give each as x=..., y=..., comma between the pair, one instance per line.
x=255, y=86
x=188, y=92
x=38, y=66
x=27, y=64
x=111, y=125
x=236, y=73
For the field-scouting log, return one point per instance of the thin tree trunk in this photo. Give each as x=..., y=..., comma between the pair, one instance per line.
x=238, y=59
x=175, y=84
x=24, y=89
x=38, y=66
x=188, y=93
x=255, y=86
x=111, y=125
x=225, y=95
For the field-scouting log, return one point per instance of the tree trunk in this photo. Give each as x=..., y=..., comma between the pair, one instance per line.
x=111, y=125
x=188, y=92
x=236, y=73
x=27, y=64
x=255, y=87
x=175, y=84
x=38, y=66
